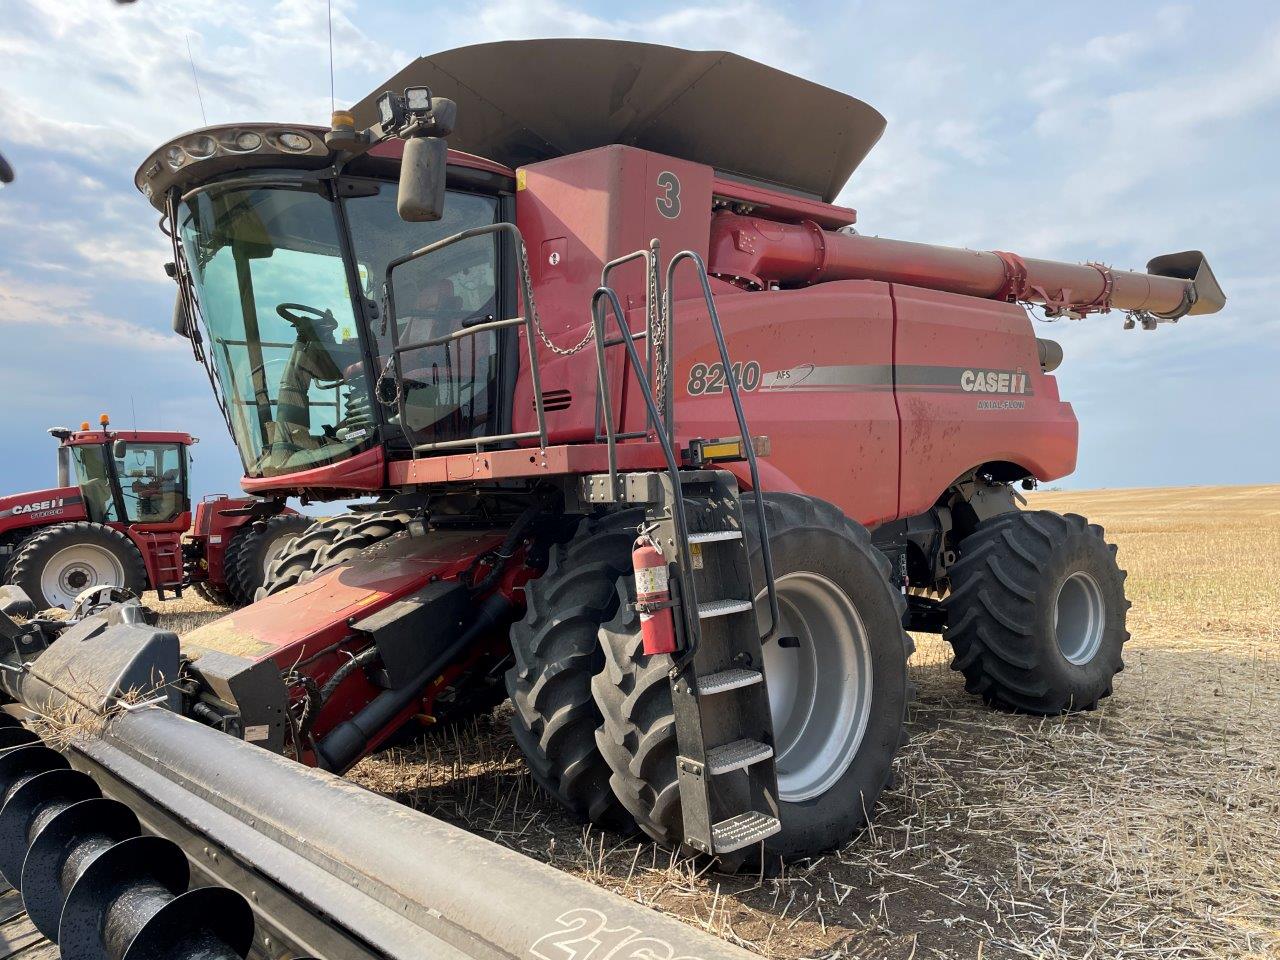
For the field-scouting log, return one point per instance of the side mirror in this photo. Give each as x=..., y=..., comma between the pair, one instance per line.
x=118, y=449
x=180, y=318
x=422, y=177
x=6, y=171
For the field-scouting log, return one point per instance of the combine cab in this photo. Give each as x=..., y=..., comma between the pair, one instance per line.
x=658, y=448
x=121, y=517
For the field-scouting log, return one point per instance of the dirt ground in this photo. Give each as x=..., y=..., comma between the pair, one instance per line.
x=1149, y=828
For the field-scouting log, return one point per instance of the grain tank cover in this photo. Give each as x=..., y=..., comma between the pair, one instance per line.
x=520, y=101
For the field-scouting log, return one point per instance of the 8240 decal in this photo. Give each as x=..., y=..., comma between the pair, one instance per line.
x=710, y=378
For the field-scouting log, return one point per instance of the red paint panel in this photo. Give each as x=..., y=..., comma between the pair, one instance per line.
x=296, y=623
x=946, y=429
x=823, y=395
x=364, y=472
x=40, y=508
x=582, y=211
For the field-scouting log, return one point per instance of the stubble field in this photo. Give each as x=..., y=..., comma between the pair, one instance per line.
x=1149, y=828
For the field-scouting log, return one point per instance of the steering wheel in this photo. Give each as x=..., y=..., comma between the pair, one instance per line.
x=299, y=314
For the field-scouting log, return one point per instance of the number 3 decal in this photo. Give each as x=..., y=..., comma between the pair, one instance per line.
x=669, y=202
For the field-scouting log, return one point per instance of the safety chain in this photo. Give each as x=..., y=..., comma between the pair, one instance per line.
x=656, y=318
x=537, y=321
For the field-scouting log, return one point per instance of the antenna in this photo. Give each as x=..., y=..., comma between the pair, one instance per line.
x=332, y=106
x=134, y=408
x=204, y=119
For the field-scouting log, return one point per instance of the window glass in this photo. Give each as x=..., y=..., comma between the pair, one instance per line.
x=151, y=481
x=93, y=476
x=450, y=389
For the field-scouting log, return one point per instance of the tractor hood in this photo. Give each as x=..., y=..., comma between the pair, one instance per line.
x=40, y=508
x=520, y=101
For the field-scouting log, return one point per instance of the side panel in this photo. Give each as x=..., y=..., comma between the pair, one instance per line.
x=816, y=372
x=40, y=508
x=970, y=390
x=578, y=213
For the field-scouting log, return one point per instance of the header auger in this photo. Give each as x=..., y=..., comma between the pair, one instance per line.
x=658, y=450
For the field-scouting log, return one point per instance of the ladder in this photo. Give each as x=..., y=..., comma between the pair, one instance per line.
x=693, y=514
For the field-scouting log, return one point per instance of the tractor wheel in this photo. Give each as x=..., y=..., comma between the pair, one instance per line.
x=212, y=594
x=327, y=543
x=838, y=700
x=59, y=563
x=557, y=651
x=1036, y=613
x=253, y=548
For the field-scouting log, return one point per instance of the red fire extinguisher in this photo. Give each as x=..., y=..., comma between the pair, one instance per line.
x=653, y=598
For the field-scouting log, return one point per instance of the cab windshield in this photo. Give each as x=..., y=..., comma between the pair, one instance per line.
x=284, y=344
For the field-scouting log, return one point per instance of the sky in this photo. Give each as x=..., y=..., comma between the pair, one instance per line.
x=1076, y=131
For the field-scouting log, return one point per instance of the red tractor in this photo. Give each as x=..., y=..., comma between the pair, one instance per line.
x=121, y=516
x=661, y=449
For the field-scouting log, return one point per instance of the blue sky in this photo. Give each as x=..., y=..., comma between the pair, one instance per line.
x=1080, y=131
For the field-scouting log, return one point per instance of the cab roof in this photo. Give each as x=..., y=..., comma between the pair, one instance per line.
x=521, y=101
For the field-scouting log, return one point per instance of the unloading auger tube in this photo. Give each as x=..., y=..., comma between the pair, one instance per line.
x=759, y=253
x=153, y=837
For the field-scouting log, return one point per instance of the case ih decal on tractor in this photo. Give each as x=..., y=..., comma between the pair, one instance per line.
x=466, y=301
x=121, y=517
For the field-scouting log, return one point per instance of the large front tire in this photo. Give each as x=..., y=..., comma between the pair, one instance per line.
x=325, y=544
x=59, y=563
x=838, y=700
x=1036, y=614
x=557, y=651
x=254, y=548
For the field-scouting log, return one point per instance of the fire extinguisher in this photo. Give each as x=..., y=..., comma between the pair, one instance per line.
x=653, y=598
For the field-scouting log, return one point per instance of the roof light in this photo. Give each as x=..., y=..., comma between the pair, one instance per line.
x=104, y=420
x=297, y=142
x=175, y=156
x=247, y=141
x=84, y=427
x=202, y=147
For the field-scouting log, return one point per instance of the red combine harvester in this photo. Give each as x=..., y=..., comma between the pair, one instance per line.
x=125, y=520
x=662, y=450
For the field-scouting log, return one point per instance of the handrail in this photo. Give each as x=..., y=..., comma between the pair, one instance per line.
x=398, y=349
x=766, y=553
x=688, y=592
x=663, y=421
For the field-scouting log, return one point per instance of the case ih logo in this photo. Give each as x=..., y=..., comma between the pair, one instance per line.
x=994, y=381
x=39, y=506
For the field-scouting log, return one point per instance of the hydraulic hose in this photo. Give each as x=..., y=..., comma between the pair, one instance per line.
x=345, y=743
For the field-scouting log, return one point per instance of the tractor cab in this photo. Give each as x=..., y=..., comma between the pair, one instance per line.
x=282, y=270
x=127, y=477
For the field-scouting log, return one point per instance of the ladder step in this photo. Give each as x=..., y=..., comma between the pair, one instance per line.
x=742, y=830
x=727, y=680
x=723, y=608
x=715, y=536
x=736, y=755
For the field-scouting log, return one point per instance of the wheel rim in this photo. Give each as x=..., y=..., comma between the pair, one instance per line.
x=74, y=569
x=820, y=691
x=1078, y=611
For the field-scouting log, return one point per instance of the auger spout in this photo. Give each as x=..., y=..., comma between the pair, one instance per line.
x=761, y=253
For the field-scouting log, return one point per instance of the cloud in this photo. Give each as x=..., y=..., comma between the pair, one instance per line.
x=46, y=307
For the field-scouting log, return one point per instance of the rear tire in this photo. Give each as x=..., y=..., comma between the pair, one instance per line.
x=1036, y=614
x=252, y=550
x=211, y=594
x=59, y=563
x=557, y=651
x=830, y=798
x=328, y=543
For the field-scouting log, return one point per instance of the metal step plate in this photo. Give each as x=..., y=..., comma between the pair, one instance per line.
x=723, y=608
x=736, y=755
x=727, y=680
x=715, y=536
x=743, y=830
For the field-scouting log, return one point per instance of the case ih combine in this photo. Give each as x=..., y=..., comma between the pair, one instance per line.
x=121, y=516
x=583, y=318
